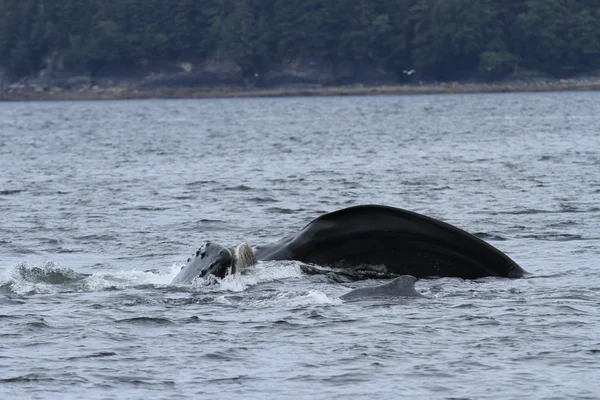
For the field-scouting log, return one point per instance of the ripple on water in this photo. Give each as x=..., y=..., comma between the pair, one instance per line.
x=145, y=321
x=520, y=170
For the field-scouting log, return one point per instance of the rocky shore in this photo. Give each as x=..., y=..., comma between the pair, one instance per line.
x=123, y=93
x=222, y=80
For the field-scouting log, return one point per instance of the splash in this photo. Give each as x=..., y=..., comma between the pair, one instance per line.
x=260, y=273
x=26, y=279
x=302, y=299
x=124, y=279
x=294, y=299
x=49, y=278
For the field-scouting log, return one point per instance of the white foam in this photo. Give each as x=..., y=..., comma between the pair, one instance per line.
x=23, y=280
x=232, y=283
x=259, y=273
x=6, y=275
x=265, y=272
x=313, y=297
x=123, y=279
x=222, y=300
x=298, y=299
x=21, y=286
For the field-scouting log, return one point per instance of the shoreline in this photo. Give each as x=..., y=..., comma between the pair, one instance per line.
x=122, y=93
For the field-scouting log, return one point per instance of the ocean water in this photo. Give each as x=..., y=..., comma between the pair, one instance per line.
x=101, y=203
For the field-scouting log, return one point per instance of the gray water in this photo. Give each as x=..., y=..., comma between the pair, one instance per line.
x=101, y=203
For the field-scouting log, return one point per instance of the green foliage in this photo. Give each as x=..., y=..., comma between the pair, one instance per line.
x=440, y=39
x=245, y=36
x=543, y=29
x=497, y=63
x=585, y=43
x=21, y=58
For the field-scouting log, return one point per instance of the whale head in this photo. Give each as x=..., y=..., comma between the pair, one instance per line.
x=216, y=260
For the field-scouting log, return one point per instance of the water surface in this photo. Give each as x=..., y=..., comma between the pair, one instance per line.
x=102, y=202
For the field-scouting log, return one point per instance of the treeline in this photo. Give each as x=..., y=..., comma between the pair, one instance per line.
x=440, y=39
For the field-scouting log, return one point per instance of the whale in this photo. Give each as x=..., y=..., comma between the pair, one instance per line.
x=402, y=286
x=213, y=259
x=401, y=242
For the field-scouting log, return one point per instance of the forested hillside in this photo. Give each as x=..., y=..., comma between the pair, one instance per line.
x=440, y=39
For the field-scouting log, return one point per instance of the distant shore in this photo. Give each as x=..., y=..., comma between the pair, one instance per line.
x=123, y=93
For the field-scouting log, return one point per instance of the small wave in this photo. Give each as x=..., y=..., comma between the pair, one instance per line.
x=124, y=279
x=488, y=236
x=563, y=224
x=49, y=278
x=527, y=211
x=238, y=188
x=238, y=379
x=280, y=210
x=206, y=221
x=27, y=378
x=558, y=237
x=64, y=378
x=262, y=200
x=24, y=279
x=94, y=355
x=573, y=208
x=10, y=192
x=35, y=326
x=95, y=238
x=47, y=273
x=8, y=300
x=295, y=299
x=565, y=209
x=145, y=321
x=144, y=208
x=200, y=183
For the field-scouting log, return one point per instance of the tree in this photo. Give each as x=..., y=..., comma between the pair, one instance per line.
x=246, y=36
x=424, y=56
x=391, y=34
x=543, y=31
x=461, y=32
x=440, y=39
x=584, y=45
